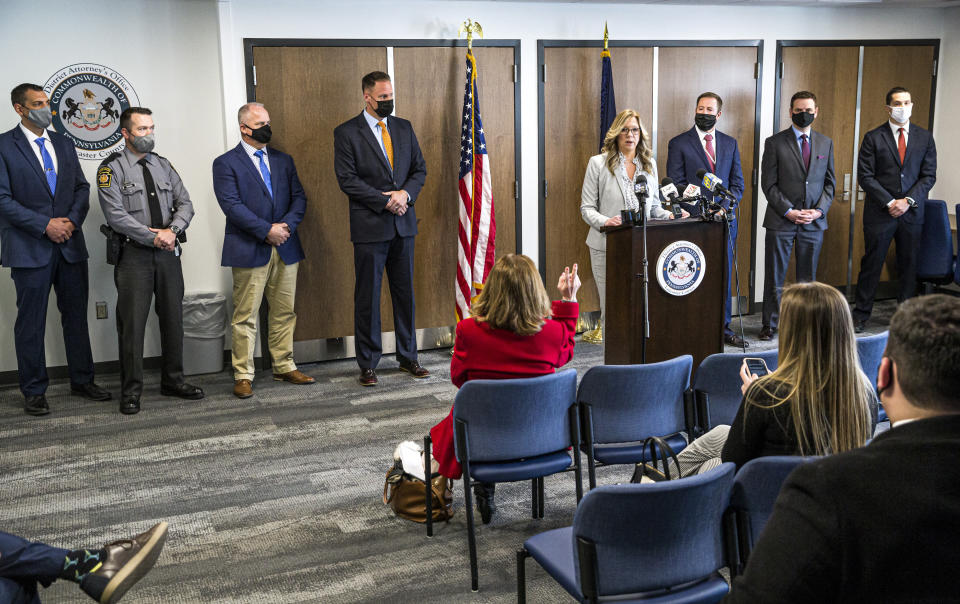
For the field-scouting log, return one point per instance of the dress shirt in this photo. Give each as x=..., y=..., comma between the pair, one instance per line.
x=375, y=127
x=251, y=150
x=31, y=138
x=906, y=141
x=703, y=143
x=626, y=183
x=798, y=133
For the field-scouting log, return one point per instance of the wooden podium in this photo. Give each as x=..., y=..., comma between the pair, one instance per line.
x=679, y=324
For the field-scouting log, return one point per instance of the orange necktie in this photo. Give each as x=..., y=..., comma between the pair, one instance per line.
x=901, y=146
x=387, y=142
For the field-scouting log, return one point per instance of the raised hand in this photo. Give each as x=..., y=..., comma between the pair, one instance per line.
x=568, y=284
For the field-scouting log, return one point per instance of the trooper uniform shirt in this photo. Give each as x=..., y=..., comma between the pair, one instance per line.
x=125, y=195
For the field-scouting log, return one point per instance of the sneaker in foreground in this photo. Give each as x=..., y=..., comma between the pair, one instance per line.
x=127, y=562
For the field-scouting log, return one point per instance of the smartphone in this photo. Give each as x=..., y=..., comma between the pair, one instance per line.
x=756, y=366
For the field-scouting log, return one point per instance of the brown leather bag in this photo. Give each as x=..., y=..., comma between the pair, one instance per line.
x=405, y=494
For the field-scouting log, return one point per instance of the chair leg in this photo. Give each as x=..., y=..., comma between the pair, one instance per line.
x=428, y=483
x=540, y=498
x=471, y=537
x=522, y=555
x=578, y=474
x=533, y=498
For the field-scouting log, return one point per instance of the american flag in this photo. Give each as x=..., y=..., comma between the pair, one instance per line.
x=478, y=225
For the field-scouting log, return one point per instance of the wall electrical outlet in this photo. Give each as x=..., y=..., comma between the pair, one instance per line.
x=101, y=310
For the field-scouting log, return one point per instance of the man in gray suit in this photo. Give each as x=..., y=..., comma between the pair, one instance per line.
x=797, y=179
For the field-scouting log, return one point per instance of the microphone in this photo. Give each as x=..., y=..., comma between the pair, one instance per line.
x=640, y=187
x=669, y=192
x=713, y=184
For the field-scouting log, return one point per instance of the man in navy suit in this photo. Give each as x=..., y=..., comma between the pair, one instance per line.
x=43, y=201
x=703, y=147
x=258, y=189
x=897, y=168
x=380, y=168
x=796, y=174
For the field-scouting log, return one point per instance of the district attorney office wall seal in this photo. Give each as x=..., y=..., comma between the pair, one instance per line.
x=681, y=267
x=87, y=100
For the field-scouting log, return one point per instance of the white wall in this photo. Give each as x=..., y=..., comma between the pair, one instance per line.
x=947, y=129
x=192, y=77
x=169, y=52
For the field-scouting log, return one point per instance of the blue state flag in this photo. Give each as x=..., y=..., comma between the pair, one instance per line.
x=608, y=102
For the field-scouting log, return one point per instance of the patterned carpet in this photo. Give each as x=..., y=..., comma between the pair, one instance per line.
x=272, y=499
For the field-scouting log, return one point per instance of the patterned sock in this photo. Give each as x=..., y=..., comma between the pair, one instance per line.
x=80, y=562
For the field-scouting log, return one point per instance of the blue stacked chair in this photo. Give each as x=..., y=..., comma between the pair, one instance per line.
x=621, y=405
x=716, y=386
x=755, y=489
x=512, y=430
x=655, y=543
x=935, y=260
x=870, y=352
x=956, y=264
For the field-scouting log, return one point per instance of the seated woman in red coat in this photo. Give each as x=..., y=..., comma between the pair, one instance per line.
x=514, y=332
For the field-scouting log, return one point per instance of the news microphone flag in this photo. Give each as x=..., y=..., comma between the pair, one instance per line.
x=478, y=224
x=608, y=101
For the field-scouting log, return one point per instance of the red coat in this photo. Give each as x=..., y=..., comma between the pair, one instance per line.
x=482, y=352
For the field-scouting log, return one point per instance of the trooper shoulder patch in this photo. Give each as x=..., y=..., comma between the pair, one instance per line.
x=104, y=177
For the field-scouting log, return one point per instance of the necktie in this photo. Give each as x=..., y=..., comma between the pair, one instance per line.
x=265, y=172
x=711, y=154
x=805, y=151
x=901, y=146
x=156, y=215
x=51, y=173
x=387, y=142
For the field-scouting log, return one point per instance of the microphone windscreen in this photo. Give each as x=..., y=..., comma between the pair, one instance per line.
x=642, y=178
x=701, y=174
x=666, y=181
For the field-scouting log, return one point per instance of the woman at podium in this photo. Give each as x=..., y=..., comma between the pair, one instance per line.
x=625, y=161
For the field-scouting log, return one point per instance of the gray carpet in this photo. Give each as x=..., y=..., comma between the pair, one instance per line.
x=271, y=499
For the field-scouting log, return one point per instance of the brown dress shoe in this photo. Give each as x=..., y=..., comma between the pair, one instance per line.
x=242, y=389
x=294, y=377
x=126, y=563
x=368, y=377
x=413, y=368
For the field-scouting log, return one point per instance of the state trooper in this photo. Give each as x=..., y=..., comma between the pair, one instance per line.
x=148, y=208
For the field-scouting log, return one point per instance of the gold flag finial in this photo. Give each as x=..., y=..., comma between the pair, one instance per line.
x=606, y=36
x=470, y=27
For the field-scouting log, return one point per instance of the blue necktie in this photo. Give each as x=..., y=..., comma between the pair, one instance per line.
x=265, y=171
x=48, y=168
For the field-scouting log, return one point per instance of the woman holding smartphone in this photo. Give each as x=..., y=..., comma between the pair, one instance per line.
x=817, y=402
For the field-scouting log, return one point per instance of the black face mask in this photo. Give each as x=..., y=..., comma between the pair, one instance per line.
x=802, y=119
x=384, y=108
x=705, y=121
x=261, y=134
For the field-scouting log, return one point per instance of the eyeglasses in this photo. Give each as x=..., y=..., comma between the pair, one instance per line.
x=631, y=131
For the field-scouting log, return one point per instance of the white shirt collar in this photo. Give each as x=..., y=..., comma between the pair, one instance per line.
x=896, y=129
x=371, y=120
x=903, y=421
x=251, y=150
x=33, y=137
x=702, y=134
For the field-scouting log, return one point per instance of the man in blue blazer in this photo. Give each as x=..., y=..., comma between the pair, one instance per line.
x=897, y=167
x=703, y=147
x=258, y=189
x=43, y=201
x=380, y=168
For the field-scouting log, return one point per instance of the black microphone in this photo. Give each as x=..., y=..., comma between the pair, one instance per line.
x=669, y=192
x=640, y=187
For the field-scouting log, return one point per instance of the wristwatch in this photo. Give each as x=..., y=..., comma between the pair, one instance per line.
x=176, y=230
x=913, y=202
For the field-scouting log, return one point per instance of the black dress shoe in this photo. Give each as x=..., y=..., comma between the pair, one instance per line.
x=732, y=339
x=36, y=405
x=90, y=391
x=859, y=325
x=484, y=492
x=130, y=405
x=413, y=368
x=767, y=332
x=184, y=390
x=368, y=377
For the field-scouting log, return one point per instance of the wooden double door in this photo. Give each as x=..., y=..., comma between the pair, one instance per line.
x=662, y=84
x=311, y=86
x=851, y=80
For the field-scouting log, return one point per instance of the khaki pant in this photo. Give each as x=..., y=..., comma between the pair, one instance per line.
x=278, y=282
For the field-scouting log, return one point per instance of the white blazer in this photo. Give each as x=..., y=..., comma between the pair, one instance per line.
x=602, y=198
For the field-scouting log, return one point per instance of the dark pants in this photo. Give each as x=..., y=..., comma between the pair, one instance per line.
x=142, y=274
x=369, y=260
x=779, y=244
x=876, y=239
x=23, y=564
x=69, y=281
x=727, y=310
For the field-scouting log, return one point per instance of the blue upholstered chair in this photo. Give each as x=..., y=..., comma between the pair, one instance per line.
x=511, y=430
x=935, y=260
x=956, y=264
x=716, y=386
x=755, y=490
x=660, y=542
x=870, y=351
x=620, y=405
